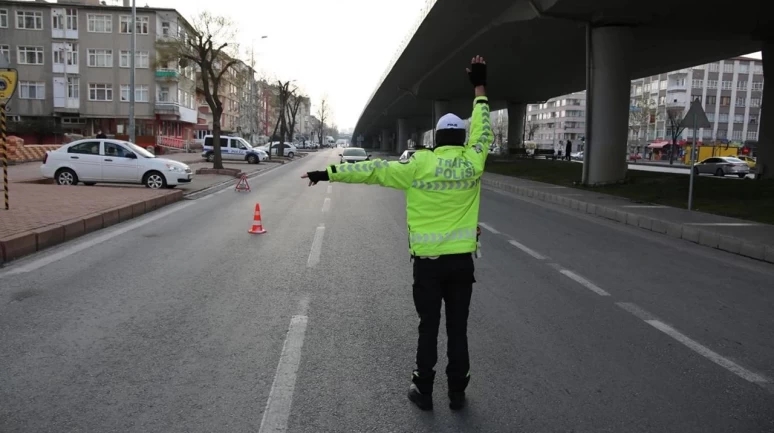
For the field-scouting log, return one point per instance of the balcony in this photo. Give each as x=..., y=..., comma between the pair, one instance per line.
x=179, y=112
x=167, y=74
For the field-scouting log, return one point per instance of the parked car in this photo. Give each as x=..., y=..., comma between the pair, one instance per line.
x=354, y=154
x=233, y=149
x=721, y=166
x=289, y=149
x=105, y=160
x=407, y=154
x=577, y=156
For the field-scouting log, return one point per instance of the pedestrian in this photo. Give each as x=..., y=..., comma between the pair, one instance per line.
x=100, y=134
x=443, y=191
x=568, y=149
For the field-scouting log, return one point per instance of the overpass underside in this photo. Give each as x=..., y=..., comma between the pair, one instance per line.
x=544, y=48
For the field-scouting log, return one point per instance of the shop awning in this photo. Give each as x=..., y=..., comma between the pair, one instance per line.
x=658, y=144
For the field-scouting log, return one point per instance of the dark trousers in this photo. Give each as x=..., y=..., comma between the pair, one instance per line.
x=449, y=279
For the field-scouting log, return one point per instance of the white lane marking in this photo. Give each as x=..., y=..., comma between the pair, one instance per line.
x=326, y=205
x=206, y=197
x=330, y=188
x=489, y=228
x=51, y=258
x=527, y=250
x=277, y=411
x=583, y=282
x=723, y=224
x=638, y=206
x=695, y=346
x=314, y=254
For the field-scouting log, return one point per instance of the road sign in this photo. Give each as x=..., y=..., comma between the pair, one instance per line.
x=695, y=117
x=8, y=80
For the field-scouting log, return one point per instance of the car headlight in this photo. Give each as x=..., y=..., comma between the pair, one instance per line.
x=175, y=168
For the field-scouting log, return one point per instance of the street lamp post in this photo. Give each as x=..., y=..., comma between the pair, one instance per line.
x=132, y=54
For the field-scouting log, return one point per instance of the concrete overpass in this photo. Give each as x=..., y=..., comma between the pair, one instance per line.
x=537, y=49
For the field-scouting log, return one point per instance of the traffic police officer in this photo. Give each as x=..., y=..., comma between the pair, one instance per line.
x=443, y=192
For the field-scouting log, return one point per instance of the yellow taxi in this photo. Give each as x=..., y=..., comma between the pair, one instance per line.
x=749, y=160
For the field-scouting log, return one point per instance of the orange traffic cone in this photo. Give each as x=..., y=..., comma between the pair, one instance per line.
x=257, y=228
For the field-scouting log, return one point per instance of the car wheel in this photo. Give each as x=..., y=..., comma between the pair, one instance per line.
x=252, y=159
x=154, y=180
x=696, y=171
x=210, y=157
x=291, y=154
x=65, y=176
x=719, y=172
x=89, y=183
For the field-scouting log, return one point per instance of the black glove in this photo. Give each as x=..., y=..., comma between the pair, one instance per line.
x=317, y=176
x=477, y=74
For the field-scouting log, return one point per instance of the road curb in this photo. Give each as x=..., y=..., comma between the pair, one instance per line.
x=22, y=244
x=194, y=195
x=676, y=230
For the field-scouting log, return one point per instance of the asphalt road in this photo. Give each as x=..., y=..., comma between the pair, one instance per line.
x=181, y=321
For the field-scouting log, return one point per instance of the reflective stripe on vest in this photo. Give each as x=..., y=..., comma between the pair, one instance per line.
x=440, y=238
x=444, y=185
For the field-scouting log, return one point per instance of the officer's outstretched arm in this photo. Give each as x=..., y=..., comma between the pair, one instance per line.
x=477, y=147
x=392, y=174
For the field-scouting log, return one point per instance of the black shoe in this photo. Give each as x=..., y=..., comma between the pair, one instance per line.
x=423, y=401
x=456, y=400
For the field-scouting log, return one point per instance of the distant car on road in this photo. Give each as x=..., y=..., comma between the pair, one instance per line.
x=289, y=150
x=354, y=154
x=407, y=154
x=233, y=149
x=577, y=156
x=95, y=160
x=721, y=166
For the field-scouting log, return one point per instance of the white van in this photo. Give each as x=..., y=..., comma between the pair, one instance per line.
x=233, y=149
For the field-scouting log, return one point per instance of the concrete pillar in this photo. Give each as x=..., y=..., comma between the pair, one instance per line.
x=439, y=109
x=516, y=112
x=764, y=166
x=403, y=136
x=385, y=144
x=420, y=141
x=611, y=48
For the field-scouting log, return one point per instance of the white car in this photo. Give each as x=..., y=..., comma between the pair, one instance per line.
x=95, y=160
x=354, y=154
x=289, y=149
x=408, y=153
x=233, y=148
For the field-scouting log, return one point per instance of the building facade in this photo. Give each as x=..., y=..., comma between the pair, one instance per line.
x=557, y=120
x=73, y=60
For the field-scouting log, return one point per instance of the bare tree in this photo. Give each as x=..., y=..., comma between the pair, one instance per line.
x=500, y=127
x=641, y=115
x=294, y=101
x=284, y=93
x=674, y=119
x=323, y=112
x=206, y=45
x=532, y=127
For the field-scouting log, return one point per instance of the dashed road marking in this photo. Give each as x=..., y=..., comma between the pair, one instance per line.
x=277, y=411
x=527, y=250
x=330, y=188
x=489, y=228
x=583, y=282
x=326, y=205
x=314, y=254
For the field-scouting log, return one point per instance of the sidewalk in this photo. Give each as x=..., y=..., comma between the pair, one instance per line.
x=750, y=239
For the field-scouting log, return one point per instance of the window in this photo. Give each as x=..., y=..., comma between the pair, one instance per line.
x=164, y=94
x=100, y=58
x=29, y=20
x=712, y=84
x=698, y=83
x=72, y=19
x=755, y=102
x=757, y=85
x=680, y=82
x=736, y=135
x=100, y=92
x=100, y=23
x=661, y=100
x=86, y=148
x=741, y=102
x=30, y=55
x=5, y=52
x=140, y=93
x=744, y=68
x=165, y=28
x=741, y=85
x=115, y=150
x=142, y=25
x=712, y=100
x=32, y=90
x=758, y=68
x=752, y=135
x=725, y=101
x=711, y=117
x=713, y=67
x=726, y=85
x=728, y=67
x=738, y=118
x=662, y=84
x=68, y=21
x=141, y=59
x=66, y=54
x=3, y=18
x=721, y=133
x=723, y=117
x=753, y=119
x=73, y=88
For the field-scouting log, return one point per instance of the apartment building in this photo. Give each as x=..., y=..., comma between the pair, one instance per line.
x=557, y=120
x=73, y=60
x=730, y=90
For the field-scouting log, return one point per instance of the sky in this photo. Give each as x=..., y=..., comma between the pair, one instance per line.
x=333, y=48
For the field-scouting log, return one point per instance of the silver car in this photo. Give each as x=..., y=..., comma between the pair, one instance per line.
x=721, y=166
